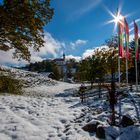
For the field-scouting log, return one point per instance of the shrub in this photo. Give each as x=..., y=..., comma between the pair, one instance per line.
x=4, y=70
x=10, y=85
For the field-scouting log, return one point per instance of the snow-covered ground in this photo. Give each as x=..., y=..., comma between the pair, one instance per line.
x=49, y=111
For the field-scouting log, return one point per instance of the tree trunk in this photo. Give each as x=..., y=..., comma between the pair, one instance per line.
x=99, y=85
x=91, y=82
x=112, y=99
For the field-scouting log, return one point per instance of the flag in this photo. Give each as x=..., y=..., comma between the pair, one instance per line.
x=136, y=40
x=127, y=39
x=121, y=38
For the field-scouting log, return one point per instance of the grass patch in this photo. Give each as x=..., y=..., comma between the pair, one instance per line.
x=10, y=85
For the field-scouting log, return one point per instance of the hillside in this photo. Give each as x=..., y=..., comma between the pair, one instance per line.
x=47, y=110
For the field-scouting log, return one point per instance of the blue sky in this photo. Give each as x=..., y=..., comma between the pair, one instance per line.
x=85, y=20
x=77, y=27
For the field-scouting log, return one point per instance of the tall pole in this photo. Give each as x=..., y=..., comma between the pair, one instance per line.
x=127, y=73
x=119, y=73
x=136, y=53
x=126, y=54
x=119, y=64
x=136, y=69
x=119, y=68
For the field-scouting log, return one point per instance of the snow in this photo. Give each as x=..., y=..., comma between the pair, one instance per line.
x=48, y=111
x=131, y=133
x=35, y=118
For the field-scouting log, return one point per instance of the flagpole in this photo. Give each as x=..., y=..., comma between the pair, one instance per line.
x=127, y=72
x=136, y=49
x=119, y=71
x=136, y=69
x=126, y=54
x=119, y=68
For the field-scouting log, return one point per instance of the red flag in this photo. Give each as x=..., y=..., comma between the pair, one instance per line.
x=127, y=39
x=136, y=40
x=120, y=33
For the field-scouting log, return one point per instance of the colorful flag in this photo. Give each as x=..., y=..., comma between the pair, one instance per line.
x=121, y=38
x=136, y=40
x=127, y=39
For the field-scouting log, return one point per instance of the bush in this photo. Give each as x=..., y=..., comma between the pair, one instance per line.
x=10, y=85
x=4, y=70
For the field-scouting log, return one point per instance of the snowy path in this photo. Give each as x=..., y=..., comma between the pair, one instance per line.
x=37, y=118
x=56, y=116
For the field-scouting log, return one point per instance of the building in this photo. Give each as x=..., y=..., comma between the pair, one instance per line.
x=61, y=63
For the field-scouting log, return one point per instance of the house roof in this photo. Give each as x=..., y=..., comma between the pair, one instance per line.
x=58, y=59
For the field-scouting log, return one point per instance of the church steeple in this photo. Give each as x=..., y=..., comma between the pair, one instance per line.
x=63, y=56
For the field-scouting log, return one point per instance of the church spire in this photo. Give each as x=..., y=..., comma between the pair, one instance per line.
x=63, y=56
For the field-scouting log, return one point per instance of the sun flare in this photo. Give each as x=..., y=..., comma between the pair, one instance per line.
x=118, y=18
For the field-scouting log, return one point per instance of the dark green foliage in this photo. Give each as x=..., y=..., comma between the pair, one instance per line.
x=45, y=66
x=10, y=85
x=104, y=61
x=21, y=25
x=132, y=70
x=71, y=66
x=92, y=68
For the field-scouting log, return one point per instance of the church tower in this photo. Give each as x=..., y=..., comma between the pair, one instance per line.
x=63, y=56
x=64, y=68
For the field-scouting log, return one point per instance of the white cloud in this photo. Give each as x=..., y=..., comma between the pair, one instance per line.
x=131, y=37
x=77, y=43
x=90, y=52
x=36, y=59
x=52, y=48
x=6, y=58
x=80, y=42
x=101, y=47
x=77, y=58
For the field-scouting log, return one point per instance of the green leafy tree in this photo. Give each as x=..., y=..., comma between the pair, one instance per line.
x=83, y=71
x=69, y=70
x=69, y=65
x=21, y=25
x=55, y=71
x=92, y=68
x=45, y=66
x=111, y=56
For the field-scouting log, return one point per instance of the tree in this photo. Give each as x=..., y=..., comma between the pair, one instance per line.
x=21, y=25
x=132, y=70
x=70, y=65
x=111, y=56
x=55, y=71
x=45, y=66
x=83, y=71
x=92, y=67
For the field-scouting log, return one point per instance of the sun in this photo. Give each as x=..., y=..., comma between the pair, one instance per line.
x=117, y=18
